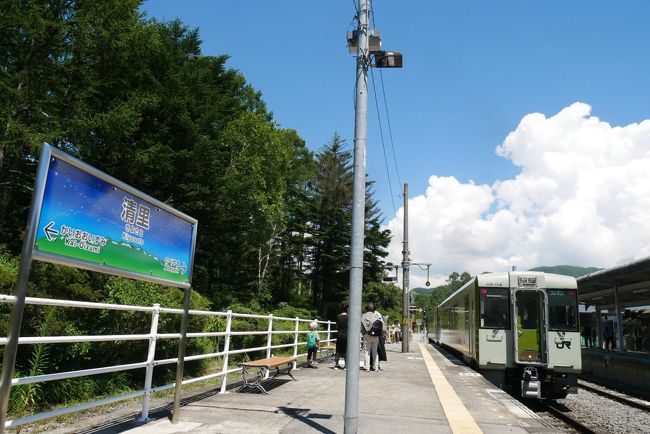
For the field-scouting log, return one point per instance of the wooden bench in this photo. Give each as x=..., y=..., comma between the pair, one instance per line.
x=282, y=364
x=327, y=351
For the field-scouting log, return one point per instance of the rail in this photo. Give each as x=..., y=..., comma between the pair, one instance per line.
x=150, y=362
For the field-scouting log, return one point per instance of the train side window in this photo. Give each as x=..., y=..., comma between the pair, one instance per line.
x=495, y=308
x=563, y=309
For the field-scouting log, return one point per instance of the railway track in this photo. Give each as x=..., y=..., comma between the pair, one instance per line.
x=564, y=411
x=613, y=395
x=556, y=410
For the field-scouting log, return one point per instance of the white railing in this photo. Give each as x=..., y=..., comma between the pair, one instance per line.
x=150, y=362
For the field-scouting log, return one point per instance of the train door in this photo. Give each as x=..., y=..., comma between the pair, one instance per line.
x=530, y=325
x=471, y=325
x=468, y=336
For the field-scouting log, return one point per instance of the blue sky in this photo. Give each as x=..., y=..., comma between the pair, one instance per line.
x=473, y=71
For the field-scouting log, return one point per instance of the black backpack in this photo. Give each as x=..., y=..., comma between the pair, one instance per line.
x=376, y=328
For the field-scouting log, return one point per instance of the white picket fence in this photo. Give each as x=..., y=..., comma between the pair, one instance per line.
x=150, y=363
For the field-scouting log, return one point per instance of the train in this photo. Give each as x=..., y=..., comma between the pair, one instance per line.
x=519, y=329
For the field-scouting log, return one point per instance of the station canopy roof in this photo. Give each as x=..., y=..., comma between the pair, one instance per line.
x=632, y=281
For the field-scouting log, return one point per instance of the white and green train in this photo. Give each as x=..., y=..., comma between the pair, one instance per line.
x=517, y=328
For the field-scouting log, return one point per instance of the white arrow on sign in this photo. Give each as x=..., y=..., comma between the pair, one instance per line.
x=49, y=231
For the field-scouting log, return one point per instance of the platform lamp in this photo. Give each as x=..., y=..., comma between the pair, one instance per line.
x=388, y=59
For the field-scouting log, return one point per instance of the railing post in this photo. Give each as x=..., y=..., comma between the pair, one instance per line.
x=151, y=356
x=295, y=341
x=329, y=324
x=269, y=342
x=226, y=349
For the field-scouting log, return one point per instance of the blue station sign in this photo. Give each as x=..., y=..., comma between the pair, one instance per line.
x=90, y=220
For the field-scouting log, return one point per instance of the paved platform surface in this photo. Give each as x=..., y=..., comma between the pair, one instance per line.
x=413, y=393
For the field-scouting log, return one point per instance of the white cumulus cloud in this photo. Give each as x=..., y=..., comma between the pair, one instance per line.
x=582, y=197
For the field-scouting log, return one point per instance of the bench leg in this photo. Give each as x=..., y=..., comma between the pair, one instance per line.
x=285, y=371
x=253, y=380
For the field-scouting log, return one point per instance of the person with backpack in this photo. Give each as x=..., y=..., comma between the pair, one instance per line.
x=312, y=345
x=371, y=329
x=381, y=347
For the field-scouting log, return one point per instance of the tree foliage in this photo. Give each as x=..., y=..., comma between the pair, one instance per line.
x=440, y=293
x=137, y=99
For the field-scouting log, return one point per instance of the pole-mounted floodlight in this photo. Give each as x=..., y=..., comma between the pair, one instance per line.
x=383, y=59
x=374, y=40
x=388, y=59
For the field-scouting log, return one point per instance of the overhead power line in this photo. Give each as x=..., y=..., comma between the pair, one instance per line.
x=383, y=146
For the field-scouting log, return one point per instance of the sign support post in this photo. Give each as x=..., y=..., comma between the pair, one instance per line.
x=181, y=358
x=11, y=348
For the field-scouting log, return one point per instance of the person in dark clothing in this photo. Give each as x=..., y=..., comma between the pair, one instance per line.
x=586, y=334
x=341, y=335
x=609, y=335
x=381, y=348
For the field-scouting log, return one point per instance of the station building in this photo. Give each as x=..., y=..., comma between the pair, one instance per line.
x=615, y=323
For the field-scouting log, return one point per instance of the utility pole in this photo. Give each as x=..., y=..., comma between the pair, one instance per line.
x=367, y=44
x=351, y=416
x=406, y=302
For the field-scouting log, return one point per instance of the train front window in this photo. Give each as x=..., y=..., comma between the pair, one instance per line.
x=563, y=309
x=495, y=308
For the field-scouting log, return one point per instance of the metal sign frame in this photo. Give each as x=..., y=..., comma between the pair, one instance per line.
x=50, y=152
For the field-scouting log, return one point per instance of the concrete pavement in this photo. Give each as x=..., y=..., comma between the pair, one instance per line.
x=400, y=398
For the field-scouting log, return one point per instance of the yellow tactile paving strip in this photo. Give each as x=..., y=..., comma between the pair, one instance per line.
x=460, y=420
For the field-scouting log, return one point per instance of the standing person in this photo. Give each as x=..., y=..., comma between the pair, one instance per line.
x=586, y=334
x=397, y=329
x=381, y=347
x=312, y=344
x=609, y=335
x=594, y=335
x=370, y=336
x=341, y=336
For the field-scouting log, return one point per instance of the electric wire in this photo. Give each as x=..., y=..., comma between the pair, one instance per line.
x=383, y=145
x=390, y=131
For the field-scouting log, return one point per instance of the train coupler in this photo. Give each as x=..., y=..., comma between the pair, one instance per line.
x=531, y=387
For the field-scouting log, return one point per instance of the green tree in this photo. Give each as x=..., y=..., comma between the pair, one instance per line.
x=386, y=297
x=249, y=204
x=290, y=282
x=440, y=293
x=376, y=240
x=34, y=54
x=330, y=229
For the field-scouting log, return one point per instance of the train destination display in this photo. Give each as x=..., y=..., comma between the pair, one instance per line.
x=90, y=220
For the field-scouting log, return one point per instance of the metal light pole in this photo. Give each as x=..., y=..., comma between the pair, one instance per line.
x=406, y=264
x=351, y=415
x=366, y=42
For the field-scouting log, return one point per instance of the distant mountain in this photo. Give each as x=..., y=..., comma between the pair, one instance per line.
x=567, y=270
x=422, y=291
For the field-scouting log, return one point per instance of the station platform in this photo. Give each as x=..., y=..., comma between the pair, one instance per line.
x=627, y=370
x=423, y=391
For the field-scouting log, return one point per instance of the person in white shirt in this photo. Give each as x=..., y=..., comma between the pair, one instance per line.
x=371, y=341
